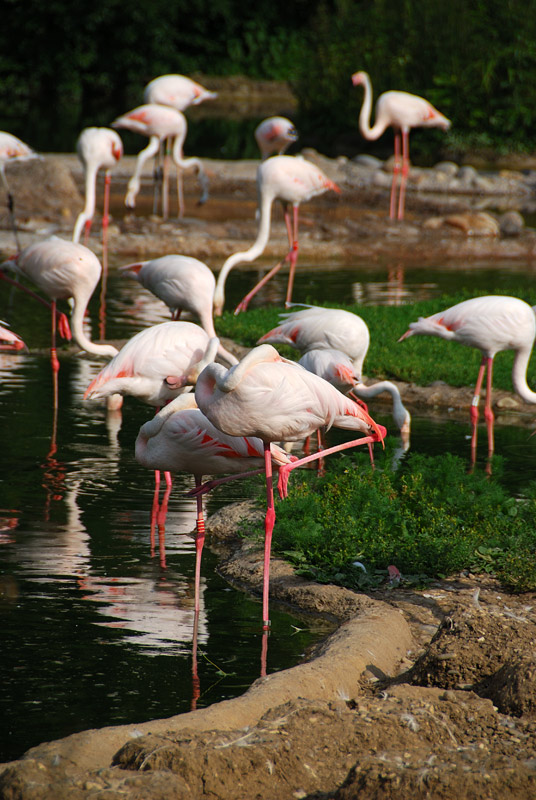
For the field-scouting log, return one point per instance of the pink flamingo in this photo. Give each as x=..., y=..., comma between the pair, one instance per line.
x=491, y=324
x=12, y=149
x=275, y=135
x=158, y=123
x=176, y=91
x=183, y=283
x=64, y=271
x=156, y=364
x=274, y=399
x=334, y=344
x=9, y=341
x=402, y=111
x=292, y=180
x=181, y=439
x=97, y=148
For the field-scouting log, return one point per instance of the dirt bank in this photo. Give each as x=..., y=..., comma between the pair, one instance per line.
x=428, y=694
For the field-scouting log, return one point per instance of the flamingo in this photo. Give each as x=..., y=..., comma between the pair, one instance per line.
x=97, y=148
x=275, y=135
x=10, y=341
x=159, y=123
x=292, y=180
x=402, y=111
x=12, y=149
x=176, y=91
x=180, y=438
x=491, y=324
x=337, y=368
x=334, y=343
x=156, y=364
x=274, y=399
x=64, y=271
x=183, y=283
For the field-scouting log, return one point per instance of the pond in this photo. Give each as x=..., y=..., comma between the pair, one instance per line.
x=97, y=619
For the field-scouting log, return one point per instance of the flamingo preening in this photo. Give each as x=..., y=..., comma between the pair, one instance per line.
x=275, y=135
x=274, y=399
x=401, y=111
x=292, y=180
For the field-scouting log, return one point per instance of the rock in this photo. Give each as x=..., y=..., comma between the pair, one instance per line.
x=368, y=161
x=477, y=223
x=447, y=167
x=511, y=223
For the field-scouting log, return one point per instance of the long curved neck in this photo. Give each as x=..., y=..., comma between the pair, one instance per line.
x=256, y=249
x=519, y=375
x=364, y=115
x=77, y=327
x=90, y=191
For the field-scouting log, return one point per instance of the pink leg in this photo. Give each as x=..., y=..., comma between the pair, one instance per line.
x=199, y=542
x=286, y=468
x=474, y=406
x=209, y=485
x=243, y=304
x=63, y=322
x=106, y=221
x=396, y=171
x=488, y=411
x=196, y=687
x=405, y=172
x=264, y=652
x=87, y=229
x=154, y=513
x=293, y=256
x=269, y=522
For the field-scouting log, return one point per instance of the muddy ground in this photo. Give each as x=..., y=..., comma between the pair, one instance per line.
x=422, y=694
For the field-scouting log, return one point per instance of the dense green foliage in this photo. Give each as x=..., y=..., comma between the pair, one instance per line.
x=419, y=359
x=430, y=518
x=66, y=65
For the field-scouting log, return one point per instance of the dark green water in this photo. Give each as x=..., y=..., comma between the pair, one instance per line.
x=96, y=630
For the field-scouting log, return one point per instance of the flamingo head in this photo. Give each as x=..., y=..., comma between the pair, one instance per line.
x=358, y=78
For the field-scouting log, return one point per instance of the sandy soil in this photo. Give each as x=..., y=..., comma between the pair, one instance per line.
x=424, y=694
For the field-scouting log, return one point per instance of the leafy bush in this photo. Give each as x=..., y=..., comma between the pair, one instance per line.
x=430, y=518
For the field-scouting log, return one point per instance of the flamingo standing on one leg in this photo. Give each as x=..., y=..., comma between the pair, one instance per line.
x=97, y=148
x=491, y=324
x=403, y=111
x=64, y=271
x=158, y=123
x=274, y=399
x=12, y=149
x=292, y=180
x=183, y=283
x=275, y=135
x=180, y=438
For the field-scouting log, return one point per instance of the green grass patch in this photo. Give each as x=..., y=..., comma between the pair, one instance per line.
x=429, y=518
x=420, y=359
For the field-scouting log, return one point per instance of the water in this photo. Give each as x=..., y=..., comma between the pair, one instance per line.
x=97, y=618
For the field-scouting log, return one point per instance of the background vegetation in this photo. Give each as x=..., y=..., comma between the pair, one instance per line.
x=64, y=65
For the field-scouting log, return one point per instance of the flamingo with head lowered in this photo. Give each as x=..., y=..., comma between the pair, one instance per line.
x=293, y=181
x=491, y=324
x=274, y=399
x=401, y=111
x=97, y=148
x=275, y=135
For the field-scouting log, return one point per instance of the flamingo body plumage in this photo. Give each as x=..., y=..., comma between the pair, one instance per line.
x=156, y=364
x=10, y=341
x=292, y=180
